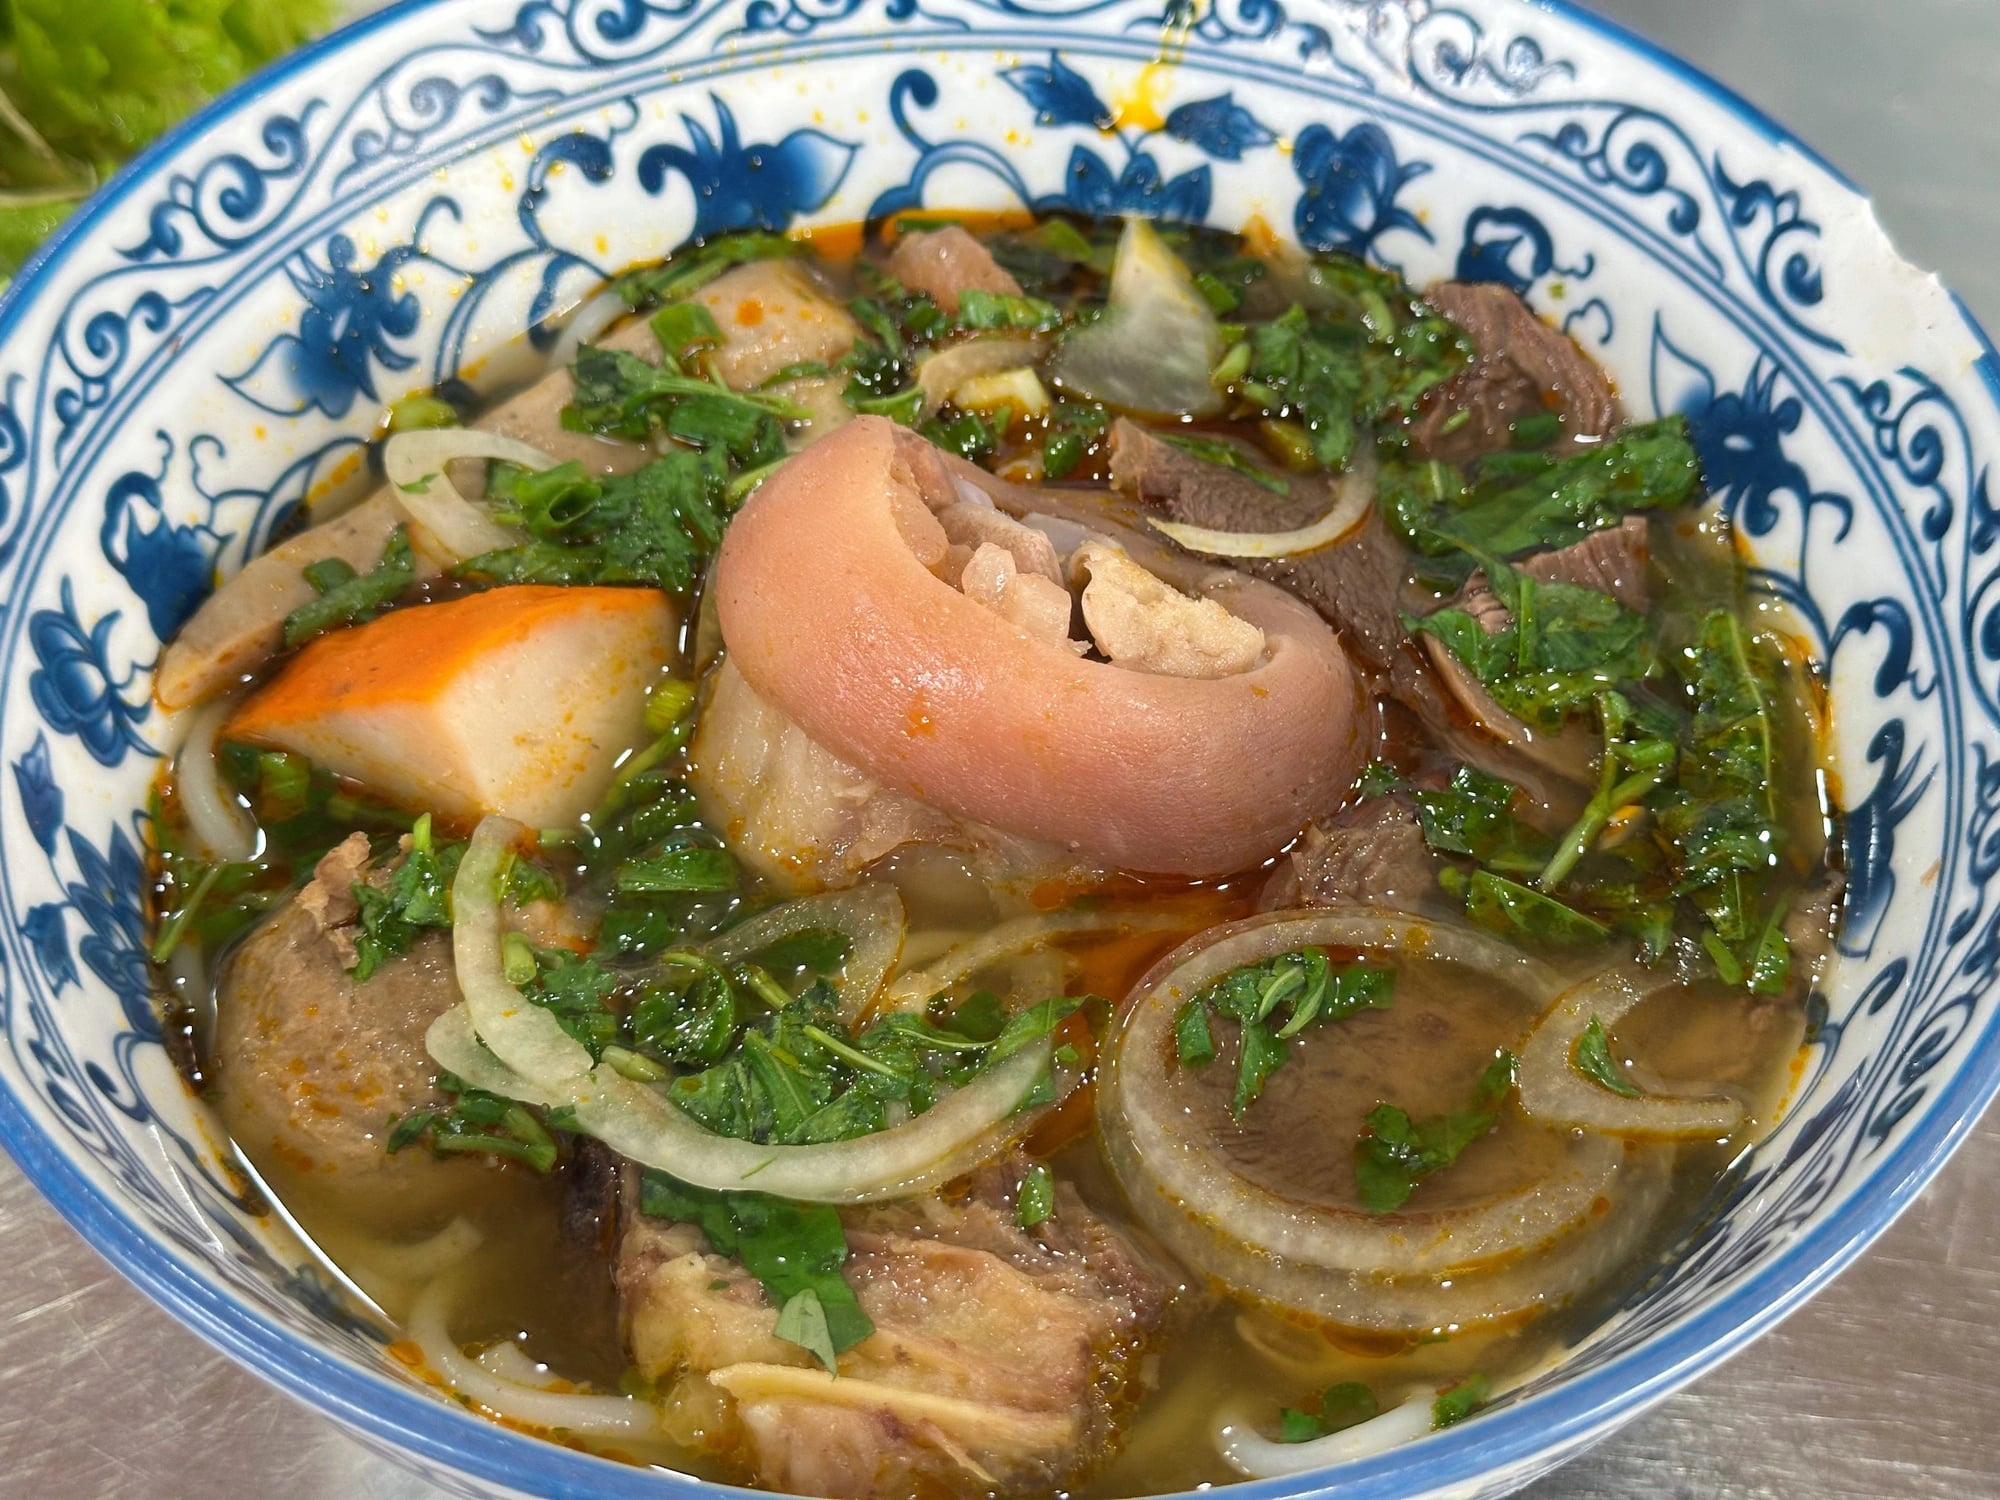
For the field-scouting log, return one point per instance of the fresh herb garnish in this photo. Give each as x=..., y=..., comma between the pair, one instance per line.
x=694, y=266
x=1591, y=1056
x=656, y=525
x=1072, y=429
x=1035, y=1202
x=1342, y=1406
x=1520, y=502
x=476, y=1123
x=1374, y=350
x=1461, y=1401
x=1304, y=985
x=347, y=597
x=981, y=311
x=621, y=395
x=794, y=1250
x=416, y=895
x=1561, y=646
x=1395, y=1153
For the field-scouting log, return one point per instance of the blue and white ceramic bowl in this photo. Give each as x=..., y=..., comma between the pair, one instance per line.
x=212, y=338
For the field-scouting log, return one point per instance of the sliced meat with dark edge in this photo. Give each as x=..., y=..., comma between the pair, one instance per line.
x=1354, y=584
x=1374, y=853
x=1613, y=561
x=1001, y=1357
x=1520, y=364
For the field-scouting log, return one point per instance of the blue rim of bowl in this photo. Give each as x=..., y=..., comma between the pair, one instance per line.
x=1559, y=1421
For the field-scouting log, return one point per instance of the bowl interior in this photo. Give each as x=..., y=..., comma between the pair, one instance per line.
x=212, y=341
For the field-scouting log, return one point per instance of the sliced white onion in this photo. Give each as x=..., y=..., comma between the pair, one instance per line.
x=942, y=373
x=1554, y=1092
x=518, y=1401
x=1009, y=939
x=1550, y=1277
x=591, y=318
x=1153, y=349
x=1252, y=1454
x=219, y=822
x=1354, y=495
x=449, y=525
x=965, y=1129
x=523, y=1036
x=1170, y=1171
x=870, y=916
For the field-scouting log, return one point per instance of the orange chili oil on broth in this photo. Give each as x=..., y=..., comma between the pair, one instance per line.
x=1610, y=759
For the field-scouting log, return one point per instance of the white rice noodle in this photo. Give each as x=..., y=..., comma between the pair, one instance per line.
x=450, y=527
x=221, y=824
x=517, y=1400
x=1255, y=1456
x=1554, y=1092
x=1354, y=495
x=1010, y=939
x=870, y=916
x=523, y=1036
x=967, y=1128
x=425, y=1259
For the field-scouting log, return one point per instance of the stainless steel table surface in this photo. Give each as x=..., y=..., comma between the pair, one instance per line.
x=1887, y=1385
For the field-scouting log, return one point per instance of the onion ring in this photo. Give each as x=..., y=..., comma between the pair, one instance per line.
x=1554, y=1092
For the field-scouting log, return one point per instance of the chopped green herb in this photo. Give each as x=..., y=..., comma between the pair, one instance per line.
x=685, y=329
x=986, y=310
x=348, y=598
x=1303, y=984
x=1528, y=916
x=1035, y=1203
x=1525, y=501
x=1340, y=371
x=1461, y=1401
x=1591, y=1056
x=416, y=895
x=656, y=525
x=1395, y=1153
x=476, y=1123
x=694, y=266
x=1342, y=1406
x=1072, y=430
x=794, y=1250
x=421, y=413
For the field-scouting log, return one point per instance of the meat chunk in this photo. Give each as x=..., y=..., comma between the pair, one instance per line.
x=806, y=818
x=773, y=315
x=1001, y=1358
x=311, y=1065
x=947, y=262
x=1374, y=853
x=1354, y=584
x=1613, y=561
x=993, y=577
x=1140, y=622
x=1521, y=362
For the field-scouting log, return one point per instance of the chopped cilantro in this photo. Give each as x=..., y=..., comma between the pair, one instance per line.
x=1591, y=1056
x=347, y=597
x=1304, y=985
x=1395, y=1153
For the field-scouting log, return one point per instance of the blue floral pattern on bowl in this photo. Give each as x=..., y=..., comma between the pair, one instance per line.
x=206, y=350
